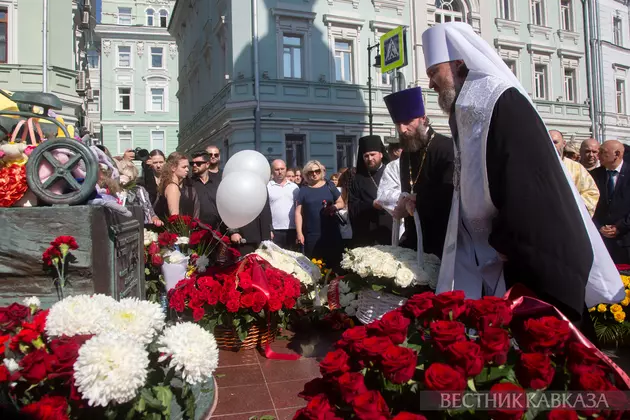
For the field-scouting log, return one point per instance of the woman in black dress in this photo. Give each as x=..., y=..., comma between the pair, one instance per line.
x=177, y=195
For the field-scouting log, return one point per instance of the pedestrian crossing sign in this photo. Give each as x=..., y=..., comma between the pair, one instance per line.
x=394, y=49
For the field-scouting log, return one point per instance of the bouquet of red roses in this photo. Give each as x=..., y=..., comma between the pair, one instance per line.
x=443, y=343
x=251, y=292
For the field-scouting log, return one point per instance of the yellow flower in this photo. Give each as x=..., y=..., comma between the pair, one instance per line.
x=602, y=307
x=626, y=301
x=628, y=293
x=620, y=316
x=625, y=280
x=592, y=309
x=616, y=308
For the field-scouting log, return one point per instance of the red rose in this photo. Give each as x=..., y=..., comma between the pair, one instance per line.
x=335, y=363
x=65, y=351
x=370, y=406
x=561, y=414
x=546, y=334
x=590, y=379
x=198, y=314
x=3, y=340
x=259, y=302
x=5, y=375
x=495, y=344
x=275, y=304
x=157, y=260
x=489, y=311
x=399, y=364
x=167, y=239
x=234, y=301
x=579, y=355
x=351, y=384
x=403, y=415
x=353, y=338
x=314, y=388
x=318, y=408
x=153, y=248
x=466, y=356
x=393, y=325
x=245, y=280
x=197, y=237
x=420, y=305
x=12, y=316
x=375, y=347
x=449, y=305
x=25, y=336
x=288, y=303
x=247, y=300
x=535, y=370
x=69, y=241
x=39, y=321
x=36, y=366
x=48, y=408
x=507, y=391
x=445, y=333
x=442, y=377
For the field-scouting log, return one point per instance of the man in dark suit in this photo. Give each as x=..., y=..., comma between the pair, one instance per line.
x=612, y=215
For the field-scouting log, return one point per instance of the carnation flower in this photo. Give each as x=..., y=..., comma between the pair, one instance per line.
x=11, y=364
x=110, y=369
x=79, y=315
x=182, y=240
x=32, y=302
x=191, y=350
x=150, y=237
x=137, y=319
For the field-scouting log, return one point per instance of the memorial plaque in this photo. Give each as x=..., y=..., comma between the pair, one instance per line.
x=110, y=258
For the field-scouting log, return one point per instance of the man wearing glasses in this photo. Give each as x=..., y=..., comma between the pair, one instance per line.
x=206, y=175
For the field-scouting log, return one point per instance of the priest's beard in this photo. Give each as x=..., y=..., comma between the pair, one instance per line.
x=416, y=141
x=448, y=95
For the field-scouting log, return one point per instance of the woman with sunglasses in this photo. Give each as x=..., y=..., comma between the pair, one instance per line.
x=316, y=221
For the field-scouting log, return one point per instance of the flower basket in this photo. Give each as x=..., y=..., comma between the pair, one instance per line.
x=373, y=305
x=227, y=338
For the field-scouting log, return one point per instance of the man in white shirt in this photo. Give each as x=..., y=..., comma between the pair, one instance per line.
x=282, y=196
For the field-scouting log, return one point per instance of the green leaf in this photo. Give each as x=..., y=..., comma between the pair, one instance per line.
x=190, y=406
x=219, y=375
x=150, y=399
x=165, y=396
x=248, y=318
x=169, y=376
x=377, y=287
x=492, y=374
x=242, y=333
x=236, y=322
x=141, y=405
x=471, y=385
x=267, y=418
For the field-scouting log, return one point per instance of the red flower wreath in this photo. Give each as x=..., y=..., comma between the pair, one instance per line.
x=12, y=184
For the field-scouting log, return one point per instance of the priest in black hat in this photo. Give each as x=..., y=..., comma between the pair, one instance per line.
x=426, y=172
x=371, y=224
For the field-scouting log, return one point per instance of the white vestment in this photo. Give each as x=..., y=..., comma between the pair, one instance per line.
x=388, y=193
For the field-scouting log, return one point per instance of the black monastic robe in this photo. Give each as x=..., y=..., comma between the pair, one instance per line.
x=538, y=226
x=434, y=192
x=369, y=225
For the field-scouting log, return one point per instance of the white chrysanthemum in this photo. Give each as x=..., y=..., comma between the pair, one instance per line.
x=191, y=350
x=137, y=319
x=149, y=237
x=32, y=301
x=202, y=263
x=182, y=240
x=78, y=315
x=110, y=369
x=12, y=365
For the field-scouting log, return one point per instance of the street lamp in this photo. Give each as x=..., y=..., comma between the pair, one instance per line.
x=377, y=64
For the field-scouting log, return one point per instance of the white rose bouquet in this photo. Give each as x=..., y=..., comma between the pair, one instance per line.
x=290, y=262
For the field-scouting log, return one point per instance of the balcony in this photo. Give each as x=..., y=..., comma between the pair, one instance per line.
x=62, y=82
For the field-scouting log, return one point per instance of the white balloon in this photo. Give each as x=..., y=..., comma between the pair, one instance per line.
x=249, y=161
x=240, y=198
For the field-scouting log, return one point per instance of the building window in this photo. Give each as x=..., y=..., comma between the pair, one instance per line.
x=540, y=81
x=617, y=34
x=511, y=65
x=506, y=9
x=538, y=12
x=124, y=15
x=292, y=56
x=157, y=57
x=157, y=99
x=225, y=153
x=345, y=151
x=448, y=11
x=93, y=59
x=294, y=149
x=158, y=140
x=150, y=17
x=620, y=88
x=343, y=61
x=163, y=18
x=569, y=85
x=386, y=79
x=95, y=105
x=566, y=15
x=124, y=56
x=125, y=141
x=124, y=99
x=4, y=35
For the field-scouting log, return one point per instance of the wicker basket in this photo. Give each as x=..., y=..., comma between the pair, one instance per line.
x=227, y=339
x=373, y=305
